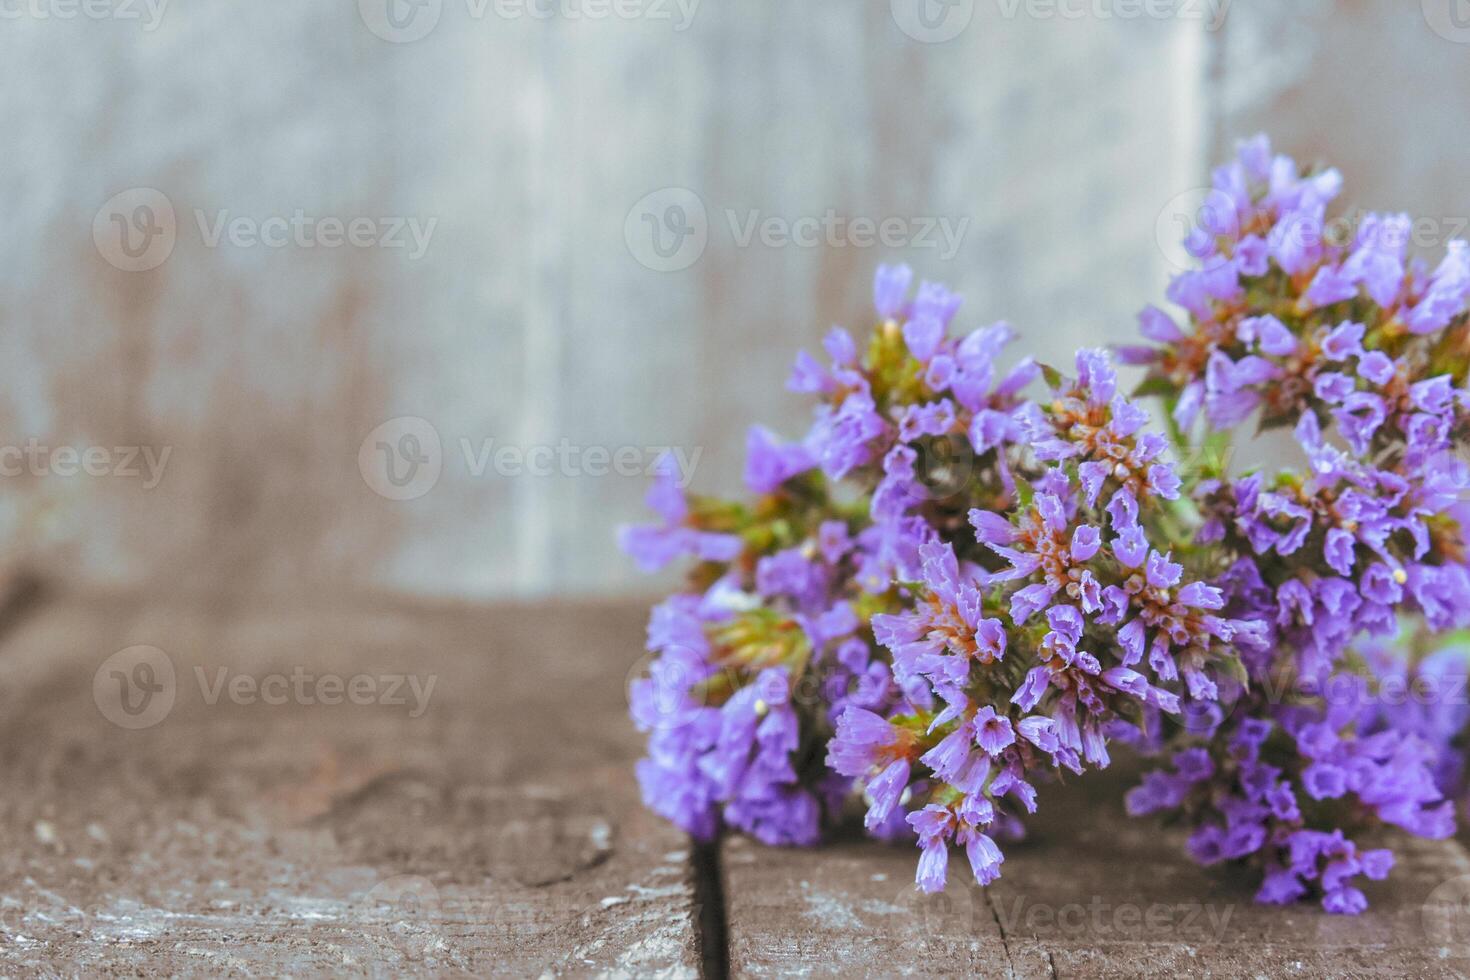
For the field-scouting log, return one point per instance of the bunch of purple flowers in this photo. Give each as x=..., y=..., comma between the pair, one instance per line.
x=965, y=579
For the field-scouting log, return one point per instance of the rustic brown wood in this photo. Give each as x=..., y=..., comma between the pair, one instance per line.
x=528, y=321
x=497, y=833
x=850, y=909
x=1090, y=894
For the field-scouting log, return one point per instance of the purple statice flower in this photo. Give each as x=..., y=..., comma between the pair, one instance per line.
x=1233, y=388
x=801, y=577
x=810, y=377
x=653, y=546
x=769, y=463
x=949, y=387
x=847, y=429
x=1086, y=569
x=1097, y=592
x=888, y=552
x=1443, y=297
x=1263, y=211
x=751, y=769
x=949, y=620
x=1427, y=699
x=891, y=290
x=1263, y=235
x=963, y=824
x=1246, y=807
x=1352, y=546
x=878, y=754
x=1090, y=424
x=705, y=762
x=1376, y=262
x=845, y=436
x=856, y=678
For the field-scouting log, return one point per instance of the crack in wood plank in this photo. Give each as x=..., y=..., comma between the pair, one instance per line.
x=710, y=921
x=1000, y=927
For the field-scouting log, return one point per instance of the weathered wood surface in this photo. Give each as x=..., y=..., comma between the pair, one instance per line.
x=498, y=832
x=528, y=321
x=1091, y=894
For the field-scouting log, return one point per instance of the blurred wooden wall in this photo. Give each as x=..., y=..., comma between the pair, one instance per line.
x=530, y=319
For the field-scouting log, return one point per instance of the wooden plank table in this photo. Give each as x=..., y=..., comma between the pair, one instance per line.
x=489, y=824
x=1091, y=893
x=496, y=832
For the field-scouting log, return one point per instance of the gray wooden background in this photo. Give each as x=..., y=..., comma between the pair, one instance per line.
x=1057, y=144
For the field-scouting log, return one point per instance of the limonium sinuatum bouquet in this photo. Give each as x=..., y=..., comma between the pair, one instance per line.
x=968, y=578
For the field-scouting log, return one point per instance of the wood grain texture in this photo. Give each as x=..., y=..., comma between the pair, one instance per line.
x=528, y=322
x=1370, y=88
x=1090, y=894
x=496, y=833
x=1057, y=144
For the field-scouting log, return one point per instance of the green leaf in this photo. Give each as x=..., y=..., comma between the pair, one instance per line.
x=1154, y=387
x=1025, y=492
x=1234, y=668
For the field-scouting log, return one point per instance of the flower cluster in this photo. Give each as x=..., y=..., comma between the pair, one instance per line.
x=1376, y=743
x=1363, y=355
x=966, y=579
